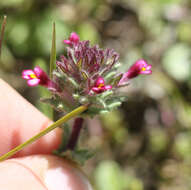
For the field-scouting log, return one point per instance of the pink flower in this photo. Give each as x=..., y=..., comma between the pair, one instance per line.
x=139, y=67
x=36, y=76
x=100, y=86
x=73, y=39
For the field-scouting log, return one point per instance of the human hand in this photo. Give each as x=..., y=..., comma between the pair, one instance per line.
x=32, y=168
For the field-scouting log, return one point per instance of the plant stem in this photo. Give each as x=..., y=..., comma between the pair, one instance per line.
x=2, y=31
x=64, y=119
x=53, y=50
x=75, y=133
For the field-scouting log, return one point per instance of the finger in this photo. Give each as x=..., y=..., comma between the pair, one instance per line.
x=19, y=121
x=41, y=173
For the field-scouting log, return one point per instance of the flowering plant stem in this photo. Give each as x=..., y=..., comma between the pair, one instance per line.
x=76, y=128
x=56, y=124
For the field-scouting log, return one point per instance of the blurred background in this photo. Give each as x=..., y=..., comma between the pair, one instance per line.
x=146, y=144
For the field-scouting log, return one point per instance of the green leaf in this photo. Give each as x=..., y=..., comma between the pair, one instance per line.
x=101, y=102
x=56, y=103
x=82, y=155
x=53, y=50
x=117, y=79
x=114, y=105
x=110, y=76
x=79, y=155
x=106, y=94
x=93, y=110
x=116, y=99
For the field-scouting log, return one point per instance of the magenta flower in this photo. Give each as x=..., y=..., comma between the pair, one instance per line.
x=79, y=77
x=73, y=39
x=85, y=64
x=100, y=86
x=36, y=76
x=139, y=67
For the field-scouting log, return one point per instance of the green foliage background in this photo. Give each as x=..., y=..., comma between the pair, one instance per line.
x=146, y=144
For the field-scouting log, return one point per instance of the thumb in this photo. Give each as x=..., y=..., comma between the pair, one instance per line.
x=41, y=172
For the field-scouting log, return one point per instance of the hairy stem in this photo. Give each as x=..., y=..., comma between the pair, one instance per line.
x=75, y=133
x=56, y=124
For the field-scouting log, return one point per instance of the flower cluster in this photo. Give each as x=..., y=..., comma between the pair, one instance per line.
x=86, y=75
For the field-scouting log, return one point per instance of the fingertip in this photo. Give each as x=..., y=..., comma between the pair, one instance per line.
x=43, y=172
x=19, y=121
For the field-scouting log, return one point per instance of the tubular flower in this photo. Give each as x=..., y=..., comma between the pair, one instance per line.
x=139, y=67
x=73, y=39
x=31, y=77
x=37, y=77
x=86, y=74
x=100, y=86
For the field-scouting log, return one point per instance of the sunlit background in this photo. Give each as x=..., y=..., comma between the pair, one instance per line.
x=146, y=144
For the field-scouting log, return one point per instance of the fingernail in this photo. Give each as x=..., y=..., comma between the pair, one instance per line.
x=64, y=175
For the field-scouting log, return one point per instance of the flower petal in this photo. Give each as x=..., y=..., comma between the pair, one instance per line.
x=99, y=81
x=68, y=42
x=26, y=74
x=148, y=67
x=107, y=87
x=33, y=82
x=74, y=37
x=95, y=89
x=141, y=62
x=146, y=72
x=38, y=71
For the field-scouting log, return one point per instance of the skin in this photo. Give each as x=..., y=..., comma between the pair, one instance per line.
x=33, y=167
